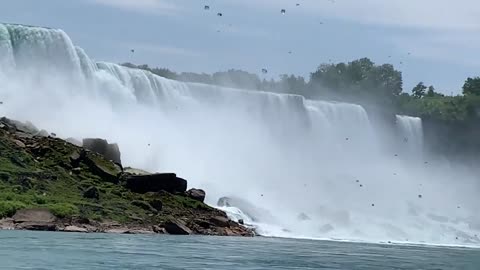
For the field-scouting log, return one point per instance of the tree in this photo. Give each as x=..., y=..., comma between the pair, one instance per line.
x=472, y=86
x=419, y=90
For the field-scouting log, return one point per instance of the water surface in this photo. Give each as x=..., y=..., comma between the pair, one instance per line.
x=45, y=250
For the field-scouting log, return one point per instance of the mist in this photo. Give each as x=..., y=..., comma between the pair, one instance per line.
x=313, y=169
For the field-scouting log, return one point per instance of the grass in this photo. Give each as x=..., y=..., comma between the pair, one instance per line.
x=42, y=176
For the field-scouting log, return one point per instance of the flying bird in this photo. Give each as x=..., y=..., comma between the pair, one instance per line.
x=207, y=7
x=219, y=14
x=283, y=11
x=264, y=71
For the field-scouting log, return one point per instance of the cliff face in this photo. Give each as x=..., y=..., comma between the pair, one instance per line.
x=85, y=192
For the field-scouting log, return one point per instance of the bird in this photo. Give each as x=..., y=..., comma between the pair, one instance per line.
x=361, y=185
x=132, y=51
x=373, y=204
x=346, y=139
x=264, y=71
x=420, y=196
x=283, y=11
x=358, y=181
x=219, y=14
x=207, y=7
x=297, y=4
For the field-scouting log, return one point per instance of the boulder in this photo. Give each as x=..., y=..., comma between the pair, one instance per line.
x=144, y=205
x=91, y=193
x=75, y=229
x=168, y=182
x=102, y=147
x=34, y=215
x=176, y=227
x=26, y=127
x=157, y=204
x=74, y=141
x=19, y=143
x=220, y=221
x=196, y=194
x=107, y=170
x=36, y=226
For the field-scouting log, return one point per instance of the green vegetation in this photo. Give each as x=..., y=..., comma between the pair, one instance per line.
x=41, y=175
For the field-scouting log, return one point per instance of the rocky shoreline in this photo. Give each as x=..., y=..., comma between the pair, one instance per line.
x=51, y=184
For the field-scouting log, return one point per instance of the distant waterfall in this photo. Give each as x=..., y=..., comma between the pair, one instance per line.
x=411, y=131
x=314, y=169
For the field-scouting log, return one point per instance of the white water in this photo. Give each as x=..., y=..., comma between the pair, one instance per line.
x=282, y=154
x=411, y=132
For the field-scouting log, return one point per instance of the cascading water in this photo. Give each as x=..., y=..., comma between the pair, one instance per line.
x=308, y=168
x=411, y=132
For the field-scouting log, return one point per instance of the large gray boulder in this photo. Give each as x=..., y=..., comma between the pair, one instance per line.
x=102, y=147
x=196, y=194
x=168, y=182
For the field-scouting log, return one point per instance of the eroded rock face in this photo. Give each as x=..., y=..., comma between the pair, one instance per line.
x=196, y=194
x=102, y=147
x=34, y=215
x=168, y=182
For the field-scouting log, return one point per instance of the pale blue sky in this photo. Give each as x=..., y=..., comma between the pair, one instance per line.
x=443, y=36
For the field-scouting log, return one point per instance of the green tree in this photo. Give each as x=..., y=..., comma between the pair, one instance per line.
x=419, y=90
x=472, y=86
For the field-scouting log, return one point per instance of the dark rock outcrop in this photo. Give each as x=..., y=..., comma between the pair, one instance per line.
x=177, y=227
x=91, y=193
x=168, y=182
x=220, y=221
x=196, y=194
x=102, y=147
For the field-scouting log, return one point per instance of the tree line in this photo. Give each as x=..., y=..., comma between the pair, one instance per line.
x=360, y=81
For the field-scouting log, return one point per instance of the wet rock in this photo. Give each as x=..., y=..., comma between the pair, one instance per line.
x=102, y=147
x=7, y=224
x=202, y=223
x=196, y=194
x=168, y=182
x=159, y=229
x=36, y=226
x=34, y=215
x=220, y=221
x=91, y=193
x=177, y=227
x=75, y=229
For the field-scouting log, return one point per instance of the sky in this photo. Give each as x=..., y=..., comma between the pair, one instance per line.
x=434, y=41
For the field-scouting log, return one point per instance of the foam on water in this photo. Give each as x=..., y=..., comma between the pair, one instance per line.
x=307, y=168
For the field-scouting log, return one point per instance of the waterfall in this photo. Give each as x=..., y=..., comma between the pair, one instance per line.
x=286, y=155
x=411, y=132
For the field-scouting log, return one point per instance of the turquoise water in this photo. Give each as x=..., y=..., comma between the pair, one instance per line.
x=42, y=250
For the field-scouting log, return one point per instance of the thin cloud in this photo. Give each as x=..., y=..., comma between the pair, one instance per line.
x=144, y=6
x=432, y=14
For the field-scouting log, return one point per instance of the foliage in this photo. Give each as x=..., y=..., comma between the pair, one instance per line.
x=472, y=86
